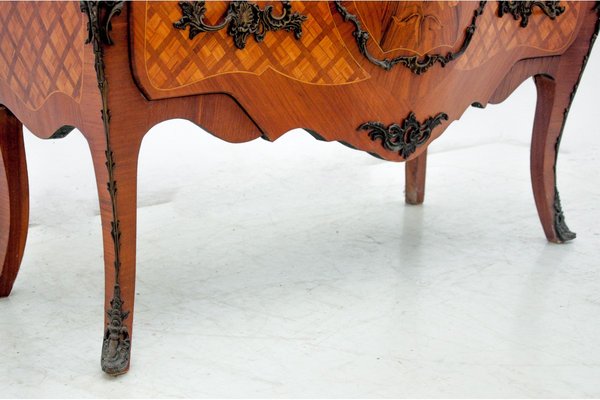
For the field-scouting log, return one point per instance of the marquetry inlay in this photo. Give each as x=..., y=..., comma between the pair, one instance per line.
x=498, y=35
x=172, y=60
x=41, y=51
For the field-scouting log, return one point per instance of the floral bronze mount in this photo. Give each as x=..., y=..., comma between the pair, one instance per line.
x=404, y=138
x=242, y=19
x=524, y=9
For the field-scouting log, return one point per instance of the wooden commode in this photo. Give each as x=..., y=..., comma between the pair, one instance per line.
x=384, y=77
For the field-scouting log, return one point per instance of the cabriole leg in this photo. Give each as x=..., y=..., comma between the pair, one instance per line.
x=115, y=166
x=547, y=129
x=555, y=94
x=14, y=199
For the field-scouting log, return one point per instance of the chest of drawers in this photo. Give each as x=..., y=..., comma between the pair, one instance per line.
x=383, y=77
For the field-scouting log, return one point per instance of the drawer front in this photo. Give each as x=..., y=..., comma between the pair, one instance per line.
x=171, y=60
x=168, y=61
x=362, y=73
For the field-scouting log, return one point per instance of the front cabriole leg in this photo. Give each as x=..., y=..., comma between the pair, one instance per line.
x=555, y=95
x=115, y=163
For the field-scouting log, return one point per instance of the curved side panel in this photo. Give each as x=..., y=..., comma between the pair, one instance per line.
x=43, y=65
x=42, y=50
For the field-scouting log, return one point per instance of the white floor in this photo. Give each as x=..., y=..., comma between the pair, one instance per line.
x=294, y=269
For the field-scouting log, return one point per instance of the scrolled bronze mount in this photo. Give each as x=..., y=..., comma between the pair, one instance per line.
x=242, y=19
x=413, y=62
x=405, y=137
x=524, y=9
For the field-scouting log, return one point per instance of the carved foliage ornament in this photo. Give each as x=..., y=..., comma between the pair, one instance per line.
x=116, y=344
x=414, y=63
x=524, y=9
x=406, y=137
x=242, y=19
